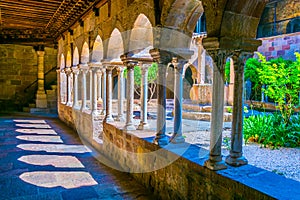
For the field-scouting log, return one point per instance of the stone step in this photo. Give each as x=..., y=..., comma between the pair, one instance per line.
x=26, y=109
x=204, y=116
x=200, y=108
x=51, y=92
x=32, y=105
x=39, y=110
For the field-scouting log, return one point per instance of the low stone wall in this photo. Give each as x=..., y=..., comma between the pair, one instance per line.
x=171, y=176
x=176, y=171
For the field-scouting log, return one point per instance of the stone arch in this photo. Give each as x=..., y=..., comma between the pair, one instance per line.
x=75, y=56
x=115, y=47
x=183, y=15
x=141, y=35
x=97, y=54
x=85, y=53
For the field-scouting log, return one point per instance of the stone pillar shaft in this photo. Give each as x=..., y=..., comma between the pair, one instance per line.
x=162, y=58
x=94, y=91
x=69, y=96
x=178, y=90
x=120, y=94
x=75, y=86
x=108, y=116
x=83, y=87
x=144, y=97
x=130, y=98
x=41, y=97
x=215, y=156
x=99, y=85
x=236, y=157
x=103, y=91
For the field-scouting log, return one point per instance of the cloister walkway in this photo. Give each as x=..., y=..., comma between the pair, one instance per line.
x=41, y=158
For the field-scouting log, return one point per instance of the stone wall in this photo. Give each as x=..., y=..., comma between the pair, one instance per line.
x=175, y=171
x=280, y=46
x=18, y=66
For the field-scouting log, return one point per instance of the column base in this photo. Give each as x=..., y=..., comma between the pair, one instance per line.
x=69, y=104
x=41, y=100
x=129, y=127
x=143, y=126
x=103, y=112
x=120, y=118
x=108, y=119
x=161, y=140
x=215, y=165
x=95, y=113
x=177, y=139
x=236, y=161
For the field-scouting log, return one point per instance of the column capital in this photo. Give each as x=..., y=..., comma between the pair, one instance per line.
x=75, y=69
x=197, y=39
x=95, y=64
x=40, y=53
x=67, y=71
x=120, y=68
x=83, y=66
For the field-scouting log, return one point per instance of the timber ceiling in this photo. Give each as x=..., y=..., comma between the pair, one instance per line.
x=39, y=21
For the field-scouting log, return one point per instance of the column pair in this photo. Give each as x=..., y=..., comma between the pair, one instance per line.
x=235, y=158
x=95, y=70
x=129, y=64
x=75, y=71
x=108, y=93
x=84, y=68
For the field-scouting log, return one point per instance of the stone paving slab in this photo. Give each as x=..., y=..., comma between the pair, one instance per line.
x=56, y=166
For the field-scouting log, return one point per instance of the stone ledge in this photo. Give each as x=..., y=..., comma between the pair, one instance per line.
x=186, y=177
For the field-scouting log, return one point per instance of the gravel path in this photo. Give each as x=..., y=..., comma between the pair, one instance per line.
x=283, y=161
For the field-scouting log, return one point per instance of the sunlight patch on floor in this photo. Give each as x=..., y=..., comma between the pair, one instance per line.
x=50, y=179
x=37, y=131
x=37, y=138
x=53, y=160
x=55, y=148
x=33, y=125
x=30, y=121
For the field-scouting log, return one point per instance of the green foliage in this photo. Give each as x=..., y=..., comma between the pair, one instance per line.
x=227, y=72
x=282, y=78
x=270, y=130
x=152, y=76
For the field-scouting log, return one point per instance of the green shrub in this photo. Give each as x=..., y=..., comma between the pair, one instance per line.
x=271, y=130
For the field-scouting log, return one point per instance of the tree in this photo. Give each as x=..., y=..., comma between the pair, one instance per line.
x=283, y=80
x=152, y=77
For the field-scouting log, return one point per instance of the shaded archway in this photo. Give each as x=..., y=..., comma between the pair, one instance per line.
x=115, y=46
x=97, y=54
x=141, y=35
x=85, y=53
x=75, y=57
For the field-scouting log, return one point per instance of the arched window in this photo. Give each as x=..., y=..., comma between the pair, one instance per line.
x=201, y=24
x=293, y=26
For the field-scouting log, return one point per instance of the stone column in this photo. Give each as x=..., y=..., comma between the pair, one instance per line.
x=178, y=90
x=215, y=161
x=236, y=157
x=144, y=97
x=91, y=87
x=129, y=126
x=99, y=84
x=95, y=69
x=41, y=97
x=120, y=71
x=68, y=75
x=84, y=71
x=162, y=59
x=75, y=72
x=201, y=68
x=103, y=90
x=108, y=116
